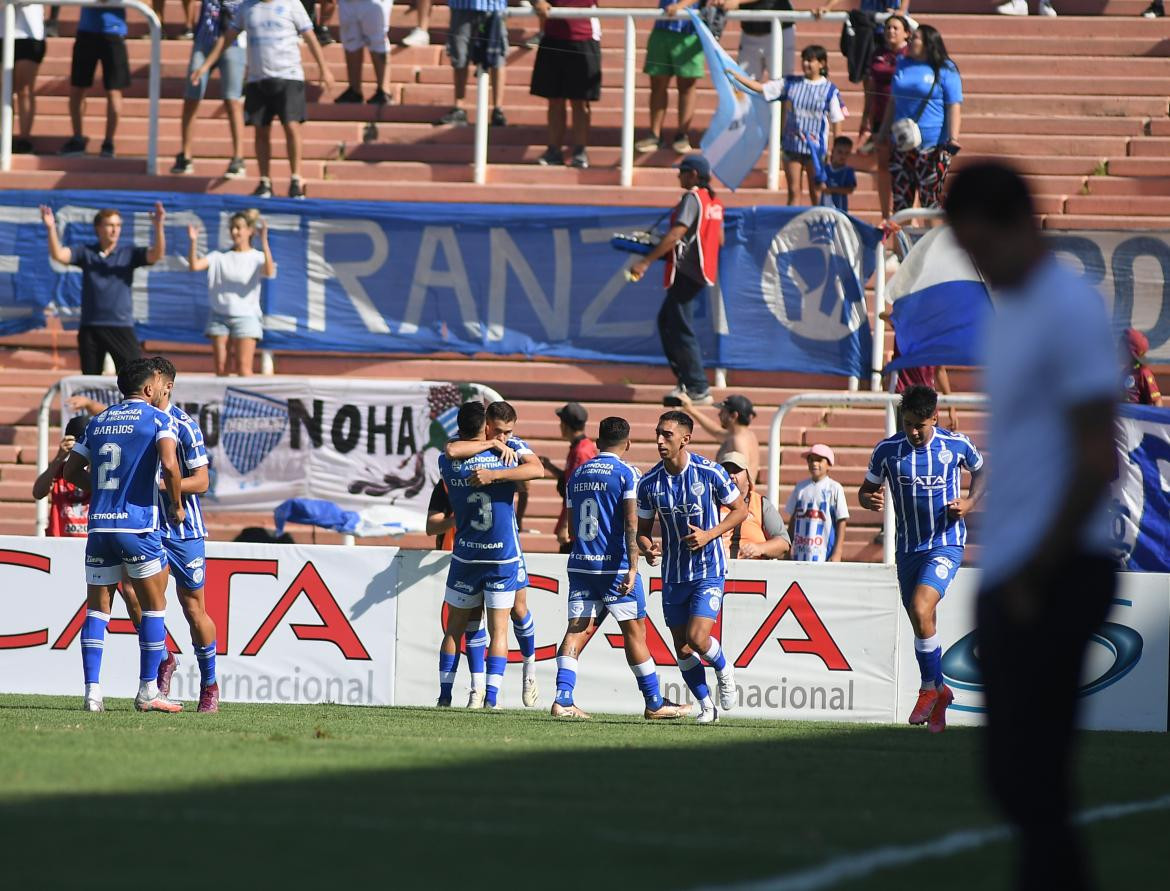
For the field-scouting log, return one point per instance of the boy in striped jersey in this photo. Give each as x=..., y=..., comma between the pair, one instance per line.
x=183, y=543
x=923, y=466
x=684, y=492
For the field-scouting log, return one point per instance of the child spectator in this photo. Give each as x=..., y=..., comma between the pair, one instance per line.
x=68, y=505
x=214, y=16
x=673, y=50
x=233, y=289
x=276, y=79
x=813, y=112
x=28, y=52
x=1140, y=384
x=363, y=26
x=101, y=37
x=817, y=512
x=840, y=179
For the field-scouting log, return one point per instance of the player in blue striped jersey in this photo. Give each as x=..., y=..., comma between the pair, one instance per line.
x=603, y=571
x=923, y=466
x=184, y=546
x=499, y=427
x=123, y=449
x=486, y=564
x=684, y=492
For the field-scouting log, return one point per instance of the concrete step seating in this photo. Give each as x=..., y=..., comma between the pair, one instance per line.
x=1075, y=101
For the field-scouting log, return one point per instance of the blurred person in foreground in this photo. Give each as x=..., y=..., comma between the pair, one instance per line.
x=1047, y=575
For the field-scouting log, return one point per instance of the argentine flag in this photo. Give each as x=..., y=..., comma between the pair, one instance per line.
x=738, y=132
x=939, y=303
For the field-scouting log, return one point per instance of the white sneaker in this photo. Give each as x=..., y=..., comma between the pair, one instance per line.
x=93, y=704
x=475, y=699
x=159, y=703
x=1046, y=9
x=708, y=716
x=1013, y=7
x=417, y=37
x=727, y=689
x=531, y=694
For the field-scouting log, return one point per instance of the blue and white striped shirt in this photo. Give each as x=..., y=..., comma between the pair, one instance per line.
x=689, y=498
x=922, y=482
x=192, y=455
x=815, y=104
x=478, y=5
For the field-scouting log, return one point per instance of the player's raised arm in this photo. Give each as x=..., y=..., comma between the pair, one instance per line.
x=462, y=449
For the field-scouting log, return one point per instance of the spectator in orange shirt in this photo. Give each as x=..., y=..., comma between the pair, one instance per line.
x=68, y=505
x=1140, y=384
x=581, y=448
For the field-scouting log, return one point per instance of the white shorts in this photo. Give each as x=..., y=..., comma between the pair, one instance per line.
x=755, y=55
x=468, y=600
x=596, y=609
x=364, y=24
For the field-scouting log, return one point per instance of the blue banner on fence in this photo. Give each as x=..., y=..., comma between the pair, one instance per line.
x=472, y=278
x=1141, y=505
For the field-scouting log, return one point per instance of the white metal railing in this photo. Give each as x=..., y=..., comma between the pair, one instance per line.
x=629, y=72
x=9, y=48
x=848, y=400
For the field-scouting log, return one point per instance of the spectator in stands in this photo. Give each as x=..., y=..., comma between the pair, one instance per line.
x=672, y=51
x=817, y=511
x=1139, y=383
x=478, y=32
x=1020, y=7
x=933, y=376
x=734, y=428
x=160, y=7
x=420, y=34
x=107, y=277
x=567, y=69
x=927, y=92
x=755, y=40
x=762, y=536
x=840, y=178
x=1155, y=10
x=813, y=112
x=573, y=418
x=875, y=6
x=691, y=248
x=101, y=37
x=363, y=26
x=321, y=22
x=235, y=324
x=896, y=37
x=276, y=80
x=1048, y=574
x=28, y=52
x=214, y=16
x=69, y=505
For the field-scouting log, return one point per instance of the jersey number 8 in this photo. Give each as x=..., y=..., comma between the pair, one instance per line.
x=587, y=522
x=104, y=480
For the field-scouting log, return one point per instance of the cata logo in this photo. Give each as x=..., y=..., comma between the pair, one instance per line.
x=811, y=274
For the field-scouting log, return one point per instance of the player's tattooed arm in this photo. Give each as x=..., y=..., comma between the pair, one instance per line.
x=647, y=546
x=631, y=509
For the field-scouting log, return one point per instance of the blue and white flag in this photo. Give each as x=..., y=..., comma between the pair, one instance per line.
x=940, y=304
x=1141, y=493
x=316, y=512
x=738, y=132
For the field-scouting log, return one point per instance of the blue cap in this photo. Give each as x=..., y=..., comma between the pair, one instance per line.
x=697, y=163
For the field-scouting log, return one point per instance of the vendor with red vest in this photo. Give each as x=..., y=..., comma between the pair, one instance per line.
x=691, y=248
x=68, y=505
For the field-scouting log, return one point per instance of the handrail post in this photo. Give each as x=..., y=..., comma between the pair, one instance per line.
x=155, y=92
x=9, y=63
x=482, y=87
x=774, y=121
x=627, y=173
x=878, y=352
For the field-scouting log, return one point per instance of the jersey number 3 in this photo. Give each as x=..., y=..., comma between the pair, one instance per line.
x=112, y=452
x=483, y=503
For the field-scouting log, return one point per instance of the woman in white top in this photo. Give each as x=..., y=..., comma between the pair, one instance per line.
x=29, y=50
x=233, y=289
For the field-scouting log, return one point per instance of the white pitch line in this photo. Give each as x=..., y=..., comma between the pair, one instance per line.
x=858, y=866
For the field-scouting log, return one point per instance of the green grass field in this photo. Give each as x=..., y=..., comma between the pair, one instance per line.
x=326, y=796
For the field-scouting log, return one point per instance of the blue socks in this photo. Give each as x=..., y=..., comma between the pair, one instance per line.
x=476, y=640
x=566, y=678
x=206, y=657
x=495, y=678
x=152, y=636
x=93, y=642
x=525, y=636
x=647, y=678
x=928, y=652
x=715, y=657
x=448, y=663
x=695, y=676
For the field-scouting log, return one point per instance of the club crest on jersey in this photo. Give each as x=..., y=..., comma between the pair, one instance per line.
x=697, y=488
x=945, y=457
x=253, y=425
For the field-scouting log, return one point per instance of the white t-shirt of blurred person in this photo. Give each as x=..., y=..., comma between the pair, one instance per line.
x=1049, y=346
x=273, y=28
x=233, y=282
x=815, y=508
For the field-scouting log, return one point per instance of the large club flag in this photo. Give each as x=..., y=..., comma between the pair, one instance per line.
x=738, y=132
x=939, y=302
x=1141, y=505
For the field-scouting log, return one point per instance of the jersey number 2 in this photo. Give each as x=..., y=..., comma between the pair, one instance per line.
x=113, y=454
x=483, y=503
